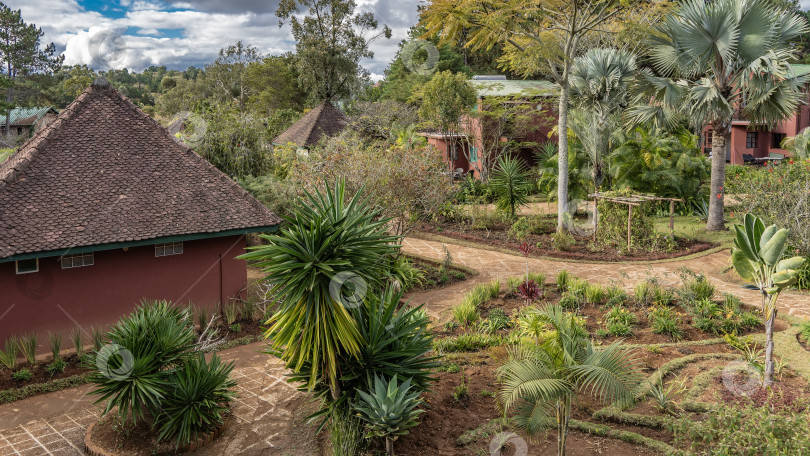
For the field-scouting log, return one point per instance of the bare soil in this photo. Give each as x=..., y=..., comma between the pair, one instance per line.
x=497, y=236
x=39, y=374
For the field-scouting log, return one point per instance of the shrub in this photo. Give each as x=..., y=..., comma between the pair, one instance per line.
x=56, y=366
x=664, y=320
x=407, y=274
x=615, y=296
x=466, y=312
x=98, y=338
x=28, y=347
x=22, y=375
x=744, y=431
x=538, y=277
x=520, y=229
x=563, y=241
x=696, y=289
x=8, y=355
x=462, y=390
x=197, y=399
x=236, y=327
x=805, y=330
x=496, y=321
x=644, y=292
x=662, y=296
x=612, y=227
x=248, y=309
x=619, y=329
x=346, y=433
x=231, y=313
x=389, y=409
x=621, y=315
x=513, y=282
x=664, y=397
x=570, y=301
x=594, y=293
x=562, y=280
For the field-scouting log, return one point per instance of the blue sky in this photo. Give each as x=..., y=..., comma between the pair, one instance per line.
x=180, y=33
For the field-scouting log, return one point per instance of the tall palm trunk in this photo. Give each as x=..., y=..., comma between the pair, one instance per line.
x=563, y=418
x=720, y=137
x=562, y=156
x=769, y=366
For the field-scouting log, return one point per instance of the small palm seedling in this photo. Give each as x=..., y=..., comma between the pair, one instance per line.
x=665, y=396
x=55, y=341
x=28, y=348
x=78, y=341
x=8, y=355
x=389, y=410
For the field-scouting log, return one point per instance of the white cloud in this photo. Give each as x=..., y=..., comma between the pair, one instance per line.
x=199, y=30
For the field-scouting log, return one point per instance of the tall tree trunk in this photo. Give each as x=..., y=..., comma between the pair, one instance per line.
x=720, y=137
x=389, y=446
x=562, y=156
x=769, y=366
x=563, y=417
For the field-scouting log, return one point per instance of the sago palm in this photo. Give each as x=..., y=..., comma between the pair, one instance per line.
x=540, y=382
x=716, y=60
x=330, y=253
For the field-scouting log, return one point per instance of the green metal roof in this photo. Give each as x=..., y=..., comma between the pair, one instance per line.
x=26, y=116
x=515, y=87
x=800, y=69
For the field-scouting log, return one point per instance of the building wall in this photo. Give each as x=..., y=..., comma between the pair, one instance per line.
x=57, y=300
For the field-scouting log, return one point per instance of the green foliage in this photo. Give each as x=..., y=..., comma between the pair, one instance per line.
x=56, y=366
x=664, y=397
x=619, y=329
x=346, y=433
x=232, y=143
x=594, y=293
x=158, y=336
x=231, y=313
x=197, y=399
x=612, y=227
x=462, y=390
x=540, y=382
x=563, y=277
x=665, y=320
x=563, y=240
x=389, y=408
x=55, y=342
x=745, y=431
x=408, y=275
x=8, y=355
x=327, y=241
x=496, y=321
x=805, y=331
x=235, y=328
x=444, y=100
x=643, y=293
x=98, y=338
x=621, y=315
x=519, y=229
x=5, y=153
x=78, y=341
x=28, y=348
x=22, y=375
x=510, y=183
x=276, y=194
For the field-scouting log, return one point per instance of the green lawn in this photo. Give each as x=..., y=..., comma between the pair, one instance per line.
x=690, y=226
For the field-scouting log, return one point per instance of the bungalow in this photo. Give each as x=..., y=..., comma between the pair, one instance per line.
x=24, y=122
x=463, y=149
x=324, y=120
x=103, y=208
x=756, y=141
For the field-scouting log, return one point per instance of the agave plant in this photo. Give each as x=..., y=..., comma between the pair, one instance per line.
x=389, y=409
x=757, y=257
x=330, y=246
x=540, y=382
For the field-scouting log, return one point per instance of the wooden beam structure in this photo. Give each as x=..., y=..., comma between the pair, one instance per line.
x=630, y=201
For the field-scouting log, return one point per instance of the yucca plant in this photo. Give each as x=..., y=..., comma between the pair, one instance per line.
x=664, y=396
x=134, y=371
x=389, y=409
x=540, y=382
x=196, y=399
x=757, y=257
x=511, y=183
x=329, y=254
x=8, y=355
x=28, y=348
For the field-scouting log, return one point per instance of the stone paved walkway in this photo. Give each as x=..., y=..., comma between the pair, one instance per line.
x=492, y=264
x=268, y=416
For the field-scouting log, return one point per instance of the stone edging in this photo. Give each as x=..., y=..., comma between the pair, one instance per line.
x=92, y=449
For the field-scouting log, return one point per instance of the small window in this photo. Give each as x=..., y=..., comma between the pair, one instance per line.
x=776, y=140
x=77, y=260
x=27, y=266
x=708, y=138
x=751, y=140
x=473, y=154
x=19, y=130
x=169, y=248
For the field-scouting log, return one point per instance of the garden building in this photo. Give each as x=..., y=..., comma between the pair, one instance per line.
x=103, y=208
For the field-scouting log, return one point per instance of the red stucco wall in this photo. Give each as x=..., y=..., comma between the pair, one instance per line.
x=57, y=300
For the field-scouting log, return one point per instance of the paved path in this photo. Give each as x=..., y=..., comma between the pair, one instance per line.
x=492, y=264
x=269, y=415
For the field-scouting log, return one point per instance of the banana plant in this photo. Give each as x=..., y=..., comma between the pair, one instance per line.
x=389, y=410
x=757, y=257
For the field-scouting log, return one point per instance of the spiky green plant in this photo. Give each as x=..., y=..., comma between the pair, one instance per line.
x=389, y=409
x=563, y=278
x=55, y=342
x=8, y=355
x=539, y=383
x=231, y=313
x=757, y=257
x=28, y=348
x=78, y=341
x=331, y=252
x=511, y=183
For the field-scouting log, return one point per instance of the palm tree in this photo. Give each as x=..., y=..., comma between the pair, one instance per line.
x=539, y=382
x=717, y=60
x=599, y=79
x=320, y=265
x=510, y=183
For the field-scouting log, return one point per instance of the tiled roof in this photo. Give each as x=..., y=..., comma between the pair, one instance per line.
x=104, y=172
x=322, y=120
x=26, y=116
x=500, y=88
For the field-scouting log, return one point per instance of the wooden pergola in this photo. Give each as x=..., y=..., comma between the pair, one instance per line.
x=630, y=201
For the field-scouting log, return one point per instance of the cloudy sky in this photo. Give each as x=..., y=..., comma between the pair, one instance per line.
x=179, y=33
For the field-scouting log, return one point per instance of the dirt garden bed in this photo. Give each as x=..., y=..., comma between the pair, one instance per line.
x=580, y=248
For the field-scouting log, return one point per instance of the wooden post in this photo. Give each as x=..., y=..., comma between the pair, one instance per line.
x=629, y=218
x=672, y=217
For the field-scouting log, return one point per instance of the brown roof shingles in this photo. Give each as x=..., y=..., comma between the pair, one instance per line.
x=322, y=120
x=105, y=172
